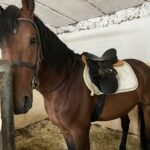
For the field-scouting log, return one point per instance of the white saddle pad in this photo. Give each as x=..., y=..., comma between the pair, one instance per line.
x=127, y=80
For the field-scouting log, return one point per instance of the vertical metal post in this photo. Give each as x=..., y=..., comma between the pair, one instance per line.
x=7, y=133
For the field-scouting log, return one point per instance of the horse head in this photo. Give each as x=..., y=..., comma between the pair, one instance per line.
x=20, y=43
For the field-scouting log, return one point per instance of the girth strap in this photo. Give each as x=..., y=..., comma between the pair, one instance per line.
x=98, y=108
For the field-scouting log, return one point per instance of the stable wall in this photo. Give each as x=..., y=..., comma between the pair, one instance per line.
x=131, y=39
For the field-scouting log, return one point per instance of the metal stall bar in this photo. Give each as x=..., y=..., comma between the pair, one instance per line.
x=7, y=133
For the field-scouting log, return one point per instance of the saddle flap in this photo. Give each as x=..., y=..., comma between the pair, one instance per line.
x=109, y=84
x=104, y=78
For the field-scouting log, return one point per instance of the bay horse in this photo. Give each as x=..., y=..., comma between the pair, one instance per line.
x=40, y=60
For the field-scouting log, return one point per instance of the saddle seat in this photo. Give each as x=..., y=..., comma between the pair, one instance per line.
x=101, y=70
x=109, y=55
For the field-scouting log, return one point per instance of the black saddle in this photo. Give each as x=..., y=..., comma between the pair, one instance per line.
x=101, y=70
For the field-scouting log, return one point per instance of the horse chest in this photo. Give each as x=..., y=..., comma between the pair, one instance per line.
x=52, y=111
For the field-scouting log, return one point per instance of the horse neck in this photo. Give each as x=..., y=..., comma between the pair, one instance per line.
x=52, y=78
x=58, y=59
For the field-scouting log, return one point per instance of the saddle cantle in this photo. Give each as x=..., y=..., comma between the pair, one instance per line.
x=101, y=70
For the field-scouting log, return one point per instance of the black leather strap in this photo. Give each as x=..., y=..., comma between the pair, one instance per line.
x=23, y=64
x=98, y=108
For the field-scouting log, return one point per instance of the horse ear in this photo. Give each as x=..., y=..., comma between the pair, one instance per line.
x=1, y=9
x=28, y=6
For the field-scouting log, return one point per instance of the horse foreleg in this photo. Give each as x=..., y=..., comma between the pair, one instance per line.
x=77, y=139
x=125, y=127
x=69, y=140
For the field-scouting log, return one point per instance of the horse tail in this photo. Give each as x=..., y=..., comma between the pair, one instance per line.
x=142, y=128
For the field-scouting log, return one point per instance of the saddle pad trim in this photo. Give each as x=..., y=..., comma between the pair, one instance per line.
x=91, y=86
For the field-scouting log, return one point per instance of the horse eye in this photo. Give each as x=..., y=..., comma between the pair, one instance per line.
x=33, y=40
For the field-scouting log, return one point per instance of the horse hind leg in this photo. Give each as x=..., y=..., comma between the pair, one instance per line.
x=144, y=114
x=125, y=121
x=144, y=118
x=142, y=128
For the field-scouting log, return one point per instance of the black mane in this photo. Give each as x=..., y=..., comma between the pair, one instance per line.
x=8, y=21
x=55, y=52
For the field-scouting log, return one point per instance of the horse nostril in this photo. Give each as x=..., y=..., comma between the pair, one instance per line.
x=27, y=103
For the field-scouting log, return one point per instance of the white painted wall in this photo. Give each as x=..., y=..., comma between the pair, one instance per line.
x=131, y=39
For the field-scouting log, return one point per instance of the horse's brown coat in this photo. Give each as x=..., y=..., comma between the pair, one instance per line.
x=67, y=99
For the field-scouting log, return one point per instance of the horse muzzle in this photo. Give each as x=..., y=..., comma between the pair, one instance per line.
x=24, y=106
